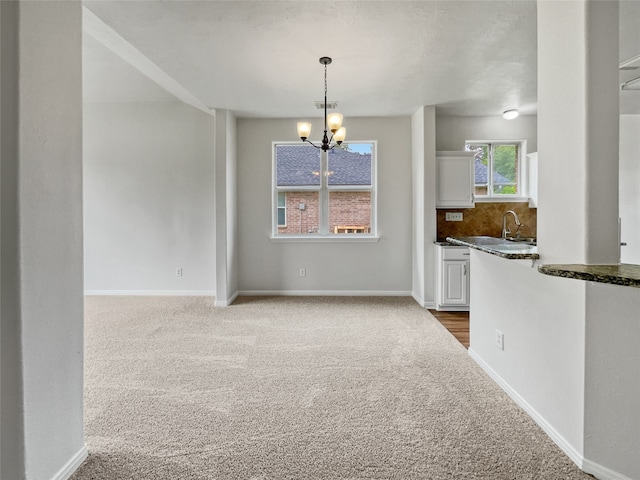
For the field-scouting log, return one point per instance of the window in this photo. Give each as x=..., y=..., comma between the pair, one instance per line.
x=498, y=167
x=320, y=193
x=282, y=209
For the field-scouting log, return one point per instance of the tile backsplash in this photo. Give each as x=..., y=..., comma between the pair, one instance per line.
x=486, y=219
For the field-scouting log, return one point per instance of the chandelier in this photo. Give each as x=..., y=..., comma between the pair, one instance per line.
x=332, y=122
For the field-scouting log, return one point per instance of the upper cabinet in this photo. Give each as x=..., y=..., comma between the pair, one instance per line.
x=532, y=179
x=455, y=179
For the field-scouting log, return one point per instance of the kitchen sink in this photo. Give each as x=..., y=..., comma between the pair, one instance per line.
x=527, y=240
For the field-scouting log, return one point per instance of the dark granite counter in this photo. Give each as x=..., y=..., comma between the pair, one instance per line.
x=623, y=274
x=498, y=246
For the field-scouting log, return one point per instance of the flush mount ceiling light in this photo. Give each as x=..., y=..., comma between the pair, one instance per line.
x=332, y=122
x=510, y=114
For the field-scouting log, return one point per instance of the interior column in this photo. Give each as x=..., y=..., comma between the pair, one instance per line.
x=578, y=115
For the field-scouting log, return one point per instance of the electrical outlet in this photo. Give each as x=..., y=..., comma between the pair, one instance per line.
x=303, y=272
x=499, y=340
x=178, y=272
x=453, y=216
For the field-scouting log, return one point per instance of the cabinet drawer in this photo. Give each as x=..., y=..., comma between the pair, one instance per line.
x=455, y=253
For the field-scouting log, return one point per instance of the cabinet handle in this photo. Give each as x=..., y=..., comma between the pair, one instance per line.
x=464, y=269
x=466, y=253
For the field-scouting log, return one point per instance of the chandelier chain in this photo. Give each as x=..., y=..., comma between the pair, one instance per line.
x=325, y=83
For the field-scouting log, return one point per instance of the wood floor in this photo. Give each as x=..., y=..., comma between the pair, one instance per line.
x=456, y=322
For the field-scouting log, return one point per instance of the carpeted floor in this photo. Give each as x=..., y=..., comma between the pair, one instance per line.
x=295, y=388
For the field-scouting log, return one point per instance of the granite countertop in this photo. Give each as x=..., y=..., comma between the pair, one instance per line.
x=498, y=246
x=443, y=244
x=623, y=274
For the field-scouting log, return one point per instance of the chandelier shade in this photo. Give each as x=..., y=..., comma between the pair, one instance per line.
x=332, y=122
x=304, y=130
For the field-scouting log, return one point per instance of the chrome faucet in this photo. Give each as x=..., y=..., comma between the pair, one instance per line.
x=505, y=230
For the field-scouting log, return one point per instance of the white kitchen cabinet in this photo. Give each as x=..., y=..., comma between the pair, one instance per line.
x=532, y=179
x=452, y=278
x=455, y=179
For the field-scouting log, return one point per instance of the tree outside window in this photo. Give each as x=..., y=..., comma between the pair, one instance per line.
x=497, y=168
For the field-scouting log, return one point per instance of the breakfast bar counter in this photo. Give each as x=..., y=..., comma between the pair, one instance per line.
x=623, y=274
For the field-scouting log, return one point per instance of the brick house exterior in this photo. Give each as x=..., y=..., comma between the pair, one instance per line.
x=349, y=211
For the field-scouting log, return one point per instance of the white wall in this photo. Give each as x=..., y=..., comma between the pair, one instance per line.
x=542, y=319
x=149, y=198
x=453, y=131
x=375, y=268
x=41, y=226
x=612, y=398
x=630, y=187
x=11, y=415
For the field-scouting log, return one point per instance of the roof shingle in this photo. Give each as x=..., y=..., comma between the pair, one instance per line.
x=299, y=165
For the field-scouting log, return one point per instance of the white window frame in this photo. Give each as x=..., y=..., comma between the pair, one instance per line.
x=522, y=182
x=324, y=189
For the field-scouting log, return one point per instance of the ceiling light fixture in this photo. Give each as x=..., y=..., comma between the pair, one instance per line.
x=332, y=122
x=510, y=114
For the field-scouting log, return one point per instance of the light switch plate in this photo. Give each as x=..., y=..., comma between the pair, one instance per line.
x=453, y=216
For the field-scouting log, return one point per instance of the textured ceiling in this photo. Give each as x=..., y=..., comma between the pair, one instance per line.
x=260, y=58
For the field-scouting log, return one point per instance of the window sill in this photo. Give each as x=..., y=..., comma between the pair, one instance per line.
x=504, y=199
x=345, y=237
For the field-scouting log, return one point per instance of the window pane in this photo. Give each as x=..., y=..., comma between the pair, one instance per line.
x=505, y=169
x=282, y=211
x=297, y=165
x=301, y=213
x=349, y=212
x=351, y=166
x=481, y=165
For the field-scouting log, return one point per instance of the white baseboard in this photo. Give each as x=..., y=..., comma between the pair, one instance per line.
x=325, y=293
x=154, y=293
x=453, y=309
x=602, y=473
x=595, y=469
x=422, y=303
x=227, y=302
x=575, y=456
x=418, y=299
x=72, y=465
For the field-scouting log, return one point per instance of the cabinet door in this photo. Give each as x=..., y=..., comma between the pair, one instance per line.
x=455, y=179
x=455, y=285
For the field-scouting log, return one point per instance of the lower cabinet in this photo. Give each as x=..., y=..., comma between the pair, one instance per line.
x=452, y=278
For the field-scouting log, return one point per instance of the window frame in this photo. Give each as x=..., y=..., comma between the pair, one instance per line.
x=324, y=190
x=522, y=183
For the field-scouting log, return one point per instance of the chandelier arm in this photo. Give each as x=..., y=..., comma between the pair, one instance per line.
x=312, y=144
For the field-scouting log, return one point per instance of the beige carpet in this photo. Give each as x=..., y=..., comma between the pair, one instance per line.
x=295, y=388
